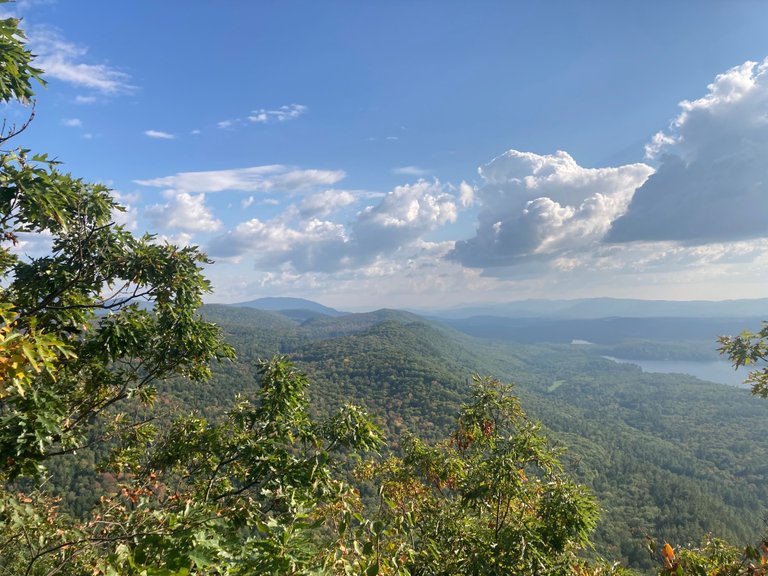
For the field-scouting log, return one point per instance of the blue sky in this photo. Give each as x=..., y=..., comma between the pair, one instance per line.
x=419, y=154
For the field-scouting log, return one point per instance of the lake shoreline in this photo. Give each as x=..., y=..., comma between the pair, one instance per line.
x=717, y=371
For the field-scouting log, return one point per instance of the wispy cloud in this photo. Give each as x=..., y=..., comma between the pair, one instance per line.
x=265, y=116
x=411, y=171
x=275, y=177
x=27, y=4
x=66, y=61
x=288, y=112
x=158, y=134
x=72, y=122
x=383, y=138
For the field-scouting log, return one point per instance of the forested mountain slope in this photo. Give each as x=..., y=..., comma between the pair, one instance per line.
x=667, y=455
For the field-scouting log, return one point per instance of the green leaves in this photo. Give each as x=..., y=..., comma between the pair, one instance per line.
x=351, y=427
x=750, y=349
x=16, y=70
x=74, y=341
x=88, y=361
x=492, y=499
x=257, y=492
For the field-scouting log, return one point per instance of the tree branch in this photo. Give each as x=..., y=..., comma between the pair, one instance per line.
x=13, y=132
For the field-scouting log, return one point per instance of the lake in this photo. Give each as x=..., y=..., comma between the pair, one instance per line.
x=719, y=371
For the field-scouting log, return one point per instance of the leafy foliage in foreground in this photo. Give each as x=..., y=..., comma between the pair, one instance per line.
x=250, y=495
x=750, y=349
x=492, y=499
x=260, y=493
x=74, y=341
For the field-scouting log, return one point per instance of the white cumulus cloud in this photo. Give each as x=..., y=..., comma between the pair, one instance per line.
x=325, y=202
x=183, y=211
x=712, y=181
x=537, y=206
x=405, y=214
x=128, y=217
x=31, y=245
x=304, y=239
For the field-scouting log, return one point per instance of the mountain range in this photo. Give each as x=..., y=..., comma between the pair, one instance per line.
x=585, y=308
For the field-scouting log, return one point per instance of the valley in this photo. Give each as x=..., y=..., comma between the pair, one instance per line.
x=667, y=455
